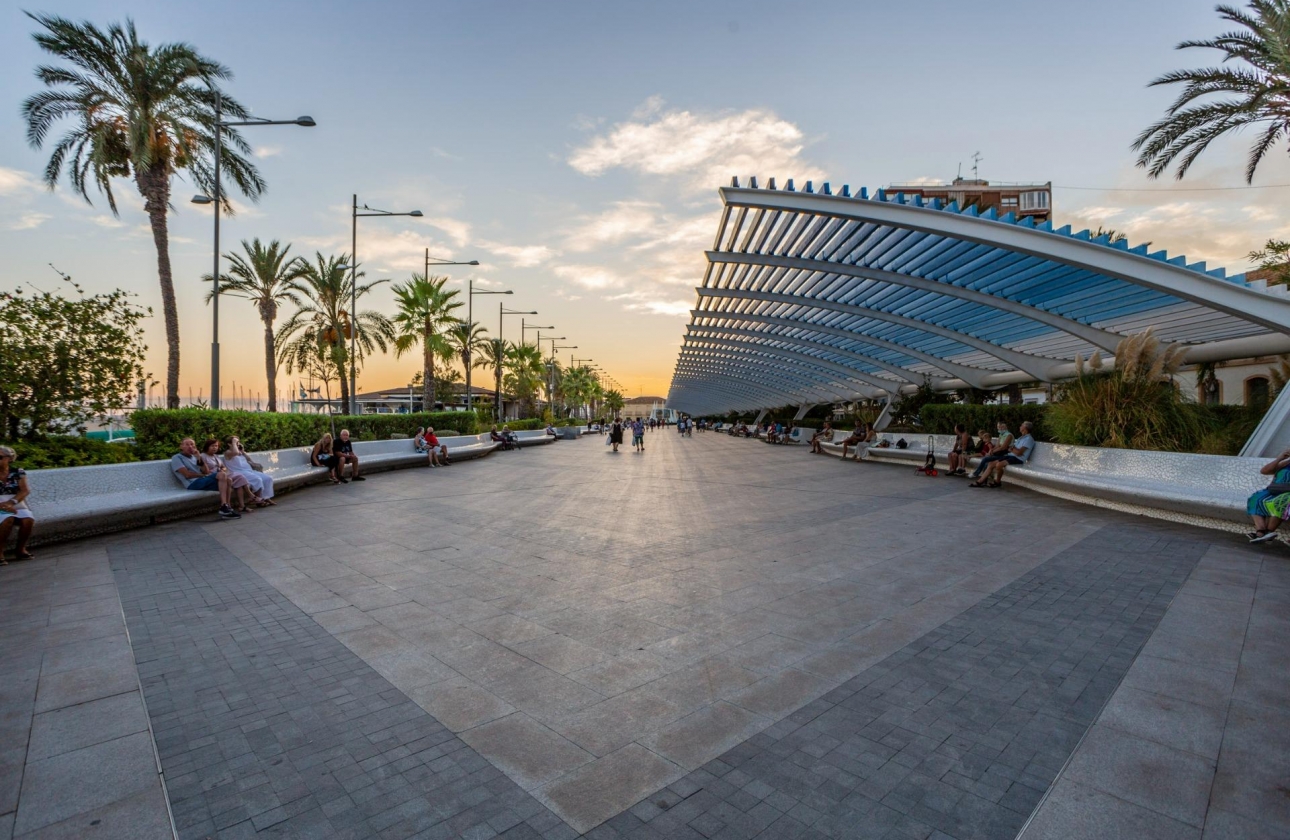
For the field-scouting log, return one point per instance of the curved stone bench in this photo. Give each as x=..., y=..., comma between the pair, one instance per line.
x=534, y=437
x=1205, y=490
x=81, y=501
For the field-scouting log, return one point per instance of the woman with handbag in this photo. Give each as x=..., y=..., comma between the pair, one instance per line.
x=13, y=506
x=1268, y=506
x=240, y=464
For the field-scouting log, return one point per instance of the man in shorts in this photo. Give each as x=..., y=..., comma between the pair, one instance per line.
x=638, y=435
x=191, y=472
x=438, y=452
x=343, y=449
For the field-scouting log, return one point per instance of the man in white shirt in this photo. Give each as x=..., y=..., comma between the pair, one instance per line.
x=1017, y=452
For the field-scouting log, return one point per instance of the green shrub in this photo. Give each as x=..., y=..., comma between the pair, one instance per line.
x=158, y=432
x=940, y=419
x=47, y=452
x=1123, y=412
x=526, y=425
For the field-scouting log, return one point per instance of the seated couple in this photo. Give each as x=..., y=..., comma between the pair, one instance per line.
x=824, y=435
x=507, y=438
x=206, y=469
x=334, y=455
x=436, y=452
x=1006, y=451
x=862, y=437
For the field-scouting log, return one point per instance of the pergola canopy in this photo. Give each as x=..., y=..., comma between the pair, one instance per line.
x=814, y=297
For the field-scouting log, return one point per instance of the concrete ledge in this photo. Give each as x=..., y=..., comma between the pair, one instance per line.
x=1205, y=490
x=81, y=501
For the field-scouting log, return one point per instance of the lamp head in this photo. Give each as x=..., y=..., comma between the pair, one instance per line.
x=306, y=121
x=202, y=199
x=476, y=262
x=415, y=213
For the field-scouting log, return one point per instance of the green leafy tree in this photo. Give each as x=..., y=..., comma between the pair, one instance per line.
x=526, y=374
x=468, y=340
x=1274, y=258
x=65, y=360
x=493, y=355
x=323, y=324
x=266, y=277
x=1250, y=90
x=614, y=401
x=424, y=316
x=140, y=112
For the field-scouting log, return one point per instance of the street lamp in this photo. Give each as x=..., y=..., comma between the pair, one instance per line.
x=353, y=291
x=524, y=332
x=304, y=121
x=470, y=318
x=502, y=312
x=470, y=351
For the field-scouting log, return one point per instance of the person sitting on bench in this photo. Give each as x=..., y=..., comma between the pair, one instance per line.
x=861, y=437
x=343, y=449
x=824, y=435
x=962, y=450
x=437, y=453
x=1008, y=451
x=1268, y=506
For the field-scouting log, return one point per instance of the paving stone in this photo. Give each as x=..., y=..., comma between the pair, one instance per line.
x=74, y=727
x=526, y=750
x=62, y=786
x=596, y=791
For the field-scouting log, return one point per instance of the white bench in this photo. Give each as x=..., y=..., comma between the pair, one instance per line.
x=1205, y=490
x=80, y=501
x=534, y=437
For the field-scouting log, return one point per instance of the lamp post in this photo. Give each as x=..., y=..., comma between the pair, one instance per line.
x=353, y=292
x=502, y=312
x=550, y=374
x=524, y=334
x=220, y=125
x=470, y=351
x=470, y=319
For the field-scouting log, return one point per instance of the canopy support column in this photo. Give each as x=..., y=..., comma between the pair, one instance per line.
x=1272, y=436
x=760, y=416
x=801, y=412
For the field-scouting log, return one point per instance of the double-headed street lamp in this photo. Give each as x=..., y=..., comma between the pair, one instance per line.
x=353, y=290
x=220, y=125
x=502, y=312
x=470, y=351
x=470, y=318
x=524, y=332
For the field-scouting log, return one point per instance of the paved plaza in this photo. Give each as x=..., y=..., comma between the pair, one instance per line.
x=714, y=639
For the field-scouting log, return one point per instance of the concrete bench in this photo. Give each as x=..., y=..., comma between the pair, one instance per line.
x=80, y=501
x=534, y=437
x=1205, y=490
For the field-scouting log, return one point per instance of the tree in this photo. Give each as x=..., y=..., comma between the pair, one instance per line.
x=322, y=324
x=468, y=340
x=527, y=374
x=139, y=112
x=1274, y=258
x=66, y=360
x=266, y=277
x=424, y=316
x=493, y=354
x=1250, y=92
x=614, y=401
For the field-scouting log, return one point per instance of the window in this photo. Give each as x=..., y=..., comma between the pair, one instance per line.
x=1034, y=200
x=1257, y=391
x=1009, y=201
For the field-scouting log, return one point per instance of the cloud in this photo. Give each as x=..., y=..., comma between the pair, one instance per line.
x=15, y=181
x=30, y=220
x=623, y=220
x=590, y=276
x=650, y=304
x=457, y=230
x=703, y=150
x=267, y=151
x=520, y=256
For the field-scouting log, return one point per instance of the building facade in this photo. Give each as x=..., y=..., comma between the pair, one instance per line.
x=1034, y=201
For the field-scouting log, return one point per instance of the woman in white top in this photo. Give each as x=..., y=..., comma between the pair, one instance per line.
x=211, y=463
x=240, y=466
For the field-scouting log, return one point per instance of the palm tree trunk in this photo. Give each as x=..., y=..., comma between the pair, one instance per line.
x=154, y=186
x=271, y=364
x=427, y=372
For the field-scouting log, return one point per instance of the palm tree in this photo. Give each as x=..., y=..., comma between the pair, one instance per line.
x=467, y=340
x=323, y=324
x=1257, y=89
x=139, y=112
x=266, y=277
x=527, y=373
x=493, y=354
x=424, y=317
x=614, y=401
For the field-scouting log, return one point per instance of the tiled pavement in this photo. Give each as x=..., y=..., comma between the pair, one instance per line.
x=716, y=638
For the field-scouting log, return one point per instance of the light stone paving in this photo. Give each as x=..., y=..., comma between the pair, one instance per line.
x=76, y=754
x=690, y=642
x=565, y=611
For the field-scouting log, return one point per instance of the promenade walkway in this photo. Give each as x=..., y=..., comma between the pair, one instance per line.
x=713, y=639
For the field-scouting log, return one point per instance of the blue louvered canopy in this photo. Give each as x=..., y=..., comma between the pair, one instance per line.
x=814, y=297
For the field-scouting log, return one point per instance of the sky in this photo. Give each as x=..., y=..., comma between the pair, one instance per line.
x=575, y=149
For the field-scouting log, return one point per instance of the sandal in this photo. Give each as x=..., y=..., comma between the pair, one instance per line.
x=976, y=484
x=26, y=555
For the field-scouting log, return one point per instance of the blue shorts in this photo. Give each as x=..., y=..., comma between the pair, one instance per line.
x=206, y=482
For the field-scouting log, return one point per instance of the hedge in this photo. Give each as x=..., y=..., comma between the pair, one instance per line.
x=158, y=431
x=47, y=452
x=940, y=418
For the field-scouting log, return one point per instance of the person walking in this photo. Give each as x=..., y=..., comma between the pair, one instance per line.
x=638, y=435
x=616, y=434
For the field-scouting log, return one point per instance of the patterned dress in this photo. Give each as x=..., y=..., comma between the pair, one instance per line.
x=1266, y=503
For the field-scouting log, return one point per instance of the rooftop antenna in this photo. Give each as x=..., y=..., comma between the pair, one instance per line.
x=959, y=177
x=976, y=159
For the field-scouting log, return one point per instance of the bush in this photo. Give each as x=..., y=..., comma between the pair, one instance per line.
x=44, y=453
x=1123, y=412
x=941, y=419
x=158, y=431
x=526, y=425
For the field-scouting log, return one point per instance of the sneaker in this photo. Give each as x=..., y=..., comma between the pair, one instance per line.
x=344, y=481
x=226, y=512
x=1250, y=535
x=359, y=478
x=1264, y=537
